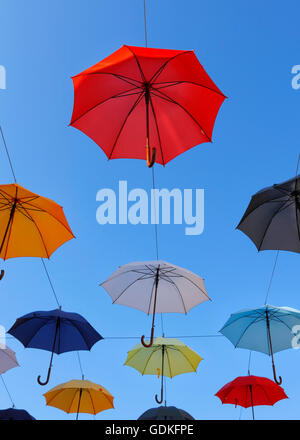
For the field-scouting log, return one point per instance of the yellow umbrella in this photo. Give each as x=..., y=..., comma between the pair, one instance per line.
x=80, y=396
x=166, y=357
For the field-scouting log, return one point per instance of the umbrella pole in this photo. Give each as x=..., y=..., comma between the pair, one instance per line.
x=53, y=348
x=252, y=402
x=162, y=378
x=80, y=394
x=150, y=157
x=12, y=213
x=278, y=381
x=154, y=310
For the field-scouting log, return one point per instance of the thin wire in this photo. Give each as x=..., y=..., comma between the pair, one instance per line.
x=80, y=365
x=51, y=284
x=155, y=220
x=162, y=324
x=9, y=395
x=175, y=337
x=145, y=23
x=272, y=276
x=249, y=362
x=8, y=156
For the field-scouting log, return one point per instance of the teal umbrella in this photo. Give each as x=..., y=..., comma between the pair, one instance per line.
x=267, y=329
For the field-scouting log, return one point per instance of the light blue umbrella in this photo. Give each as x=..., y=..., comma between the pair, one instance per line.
x=267, y=329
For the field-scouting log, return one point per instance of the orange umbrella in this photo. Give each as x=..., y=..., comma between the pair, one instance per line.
x=30, y=225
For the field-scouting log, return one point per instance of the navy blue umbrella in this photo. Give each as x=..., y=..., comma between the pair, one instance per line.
x=15, y=414
x=54, y=331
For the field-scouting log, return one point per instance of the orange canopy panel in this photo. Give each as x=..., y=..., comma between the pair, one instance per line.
x=30, y=225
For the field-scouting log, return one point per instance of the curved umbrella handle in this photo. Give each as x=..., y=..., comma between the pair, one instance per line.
x=278, y=381
x=151, y=160
x=151, y=339
x=2, y=274
x=161, y=398
x=48, y=377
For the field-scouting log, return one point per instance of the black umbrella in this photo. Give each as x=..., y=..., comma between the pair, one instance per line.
x=272, y=219
x=165, y=413
x=15, y=414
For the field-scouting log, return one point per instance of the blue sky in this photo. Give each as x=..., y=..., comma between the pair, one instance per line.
x=249, y=49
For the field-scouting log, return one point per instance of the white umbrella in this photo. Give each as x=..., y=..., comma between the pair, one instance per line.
x=8, y=359
x=155, y=287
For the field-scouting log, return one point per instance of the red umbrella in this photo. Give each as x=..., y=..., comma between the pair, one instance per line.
x=250, y=391
x=137, y=98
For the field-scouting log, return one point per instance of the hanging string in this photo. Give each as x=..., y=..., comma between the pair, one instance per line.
x=249, y=362
x=272, y=276
x=8, y=156
x=51, y=284
x=80, y=365
x=145, y=23
x=9, y=395
x=174, y=337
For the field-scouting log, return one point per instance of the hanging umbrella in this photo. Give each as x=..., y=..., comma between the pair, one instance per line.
x=15, y=414
x=8, y=359
x=55, y=331
x=80, y=396
x=267, y=329
x=141, y=97
x=30, y=225
x=165, y=413
x=155, y=287
x=250, y=391
x=272, y=219
x=167, y=357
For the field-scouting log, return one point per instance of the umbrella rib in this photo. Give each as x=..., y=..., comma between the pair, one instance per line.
x=172, y=101
x=124, y=78
x=152, y=290
x=243, y=333
x=10, y=229
x=260, y=386
x=176, y=349
x=38, y=330
x=269, y=224
x=169, y=362
x=189, y=82
x=127, y=287
x=148, y=360
x=12, y=357
x=157, y=129
x=118, y=95
x=137, y=62
x=297, y=219
x=194, y=284
x=40, y=234
x=90, y=395
x=161, y=68
x=176, y=287
x=77, y=390
x=124, y=122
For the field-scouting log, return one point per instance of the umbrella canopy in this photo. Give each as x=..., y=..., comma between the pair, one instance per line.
x=165, y=413
x=56, y=331
x=142, y=97
x=166, y=357
x=80, y=396
x=267, y=329
x=8, y=359
x=30, y=225
x=155, y=287
x=272, y=219
x=250, y=391
x=15, y=414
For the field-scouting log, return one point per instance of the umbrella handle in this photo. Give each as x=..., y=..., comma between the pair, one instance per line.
x=48, y=377
x=151, y=339
x=151, y=160
x=278, y=381
x=161, y=399
x=2, y=274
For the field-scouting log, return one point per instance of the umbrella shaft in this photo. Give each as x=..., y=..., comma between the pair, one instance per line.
x=12, y=212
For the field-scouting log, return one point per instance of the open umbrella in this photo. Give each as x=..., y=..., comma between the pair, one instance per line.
x=30, y=225
x=55, y=331
x=15, y=414
x=272, y=219
x=166, y=357
x=80, y=396
x=8, y=359
x=250, y=391
x=146, y=103
x=155, y=287
x=165, y=413
x=267, y=329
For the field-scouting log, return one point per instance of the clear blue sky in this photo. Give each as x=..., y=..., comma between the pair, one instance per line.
x=249, y=49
